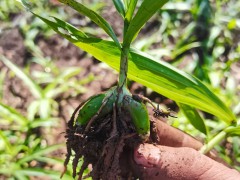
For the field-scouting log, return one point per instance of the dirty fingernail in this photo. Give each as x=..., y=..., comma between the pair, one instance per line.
x=147, y=155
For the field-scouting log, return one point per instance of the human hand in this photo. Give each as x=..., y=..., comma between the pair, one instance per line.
x=176, y=157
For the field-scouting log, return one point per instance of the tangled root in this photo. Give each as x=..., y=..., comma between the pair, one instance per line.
x=102, y=145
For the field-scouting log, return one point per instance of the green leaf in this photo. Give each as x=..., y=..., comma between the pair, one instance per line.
x=144, y=13
x=62, y=78
x=233, y=131
x=61, y=25
x=161, y=77
x=119, y=5
x=32, y=86
x=45, y=108
x=100, y=21
x=39, y=153
x=50, y=122
x=130, y=10
x=8, y=146
x=184, y=48
x=195, y=119
x=70, y=28
x=157, y=75
x=12, y=114
x=29, y=172
x=33, y=109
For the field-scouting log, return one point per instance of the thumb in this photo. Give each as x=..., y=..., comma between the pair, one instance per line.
x=162, y=162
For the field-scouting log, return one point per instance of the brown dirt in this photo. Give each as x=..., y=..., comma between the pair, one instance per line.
x=102, y=145
x=107, y=144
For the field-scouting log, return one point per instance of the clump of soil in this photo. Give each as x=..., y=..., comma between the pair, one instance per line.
x=107, y=145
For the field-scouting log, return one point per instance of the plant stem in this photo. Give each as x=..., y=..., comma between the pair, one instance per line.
x=123, y=68
x=124, y=60
x=210, y=145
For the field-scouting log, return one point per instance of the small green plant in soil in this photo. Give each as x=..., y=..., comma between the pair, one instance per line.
x=107, y=124
x=23, y=149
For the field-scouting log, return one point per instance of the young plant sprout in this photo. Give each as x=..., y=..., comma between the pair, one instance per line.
x=109, y=110
x=107, y=124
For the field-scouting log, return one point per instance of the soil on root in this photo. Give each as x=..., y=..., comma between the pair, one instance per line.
x=107, y=145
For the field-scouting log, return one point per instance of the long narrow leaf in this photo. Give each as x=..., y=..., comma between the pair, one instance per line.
x=119, y=5
x=60, y=79
x=50, y=174
x=12, y=114
x=145, y=12
x=70, y=28
x=94, y=17
x=233, y=131
x=157, y=75
x=33, y=87
x=195, y=119
x=39, y=153
x=130, y=10
x=6, y=143
x=162, y=78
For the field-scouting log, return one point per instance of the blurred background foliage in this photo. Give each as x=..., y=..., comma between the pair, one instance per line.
x=43, y=77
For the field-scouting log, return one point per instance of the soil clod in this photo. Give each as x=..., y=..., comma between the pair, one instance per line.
x=102, y=145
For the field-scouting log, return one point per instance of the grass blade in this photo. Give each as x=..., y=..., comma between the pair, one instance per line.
x=233, y=131
x=39, y=153
x=130, y=10
x=145, y=12
x=119, y=5
x=6, y=143
x=11, y=114
x=49, y=174
x=94, y=17
x=32, y=86
x=193, y=116
x=50, y=90
x=70, y=28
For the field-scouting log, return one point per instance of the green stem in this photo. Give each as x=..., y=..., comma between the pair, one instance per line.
x=124, y=60
x=210, y=145
x=123, y=68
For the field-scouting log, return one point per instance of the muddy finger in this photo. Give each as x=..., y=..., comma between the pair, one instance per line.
x=161, y=162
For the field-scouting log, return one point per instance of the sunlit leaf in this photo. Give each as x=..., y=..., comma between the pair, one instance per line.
x=94, y=17
x=144, y=13
x=40, y=152
x=6, y=142
x=40, y=172
x=233, y=131
x=193, y=116
x=50, y=122
x=130, y=10
x=12, y=114
x=50, y=92
x=157, y=75
x=184, y=48
x=32, y=86
x=119, y=5
x=33, y=109
x=45, y=108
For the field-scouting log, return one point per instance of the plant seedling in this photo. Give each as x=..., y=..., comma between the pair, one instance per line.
x=109, y=122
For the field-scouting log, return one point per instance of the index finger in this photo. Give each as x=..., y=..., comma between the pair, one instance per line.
x=169, y=136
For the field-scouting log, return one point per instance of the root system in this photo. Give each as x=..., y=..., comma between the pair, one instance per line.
x=103, y=146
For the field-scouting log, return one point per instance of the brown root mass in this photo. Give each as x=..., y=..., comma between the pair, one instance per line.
x=103, y=146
